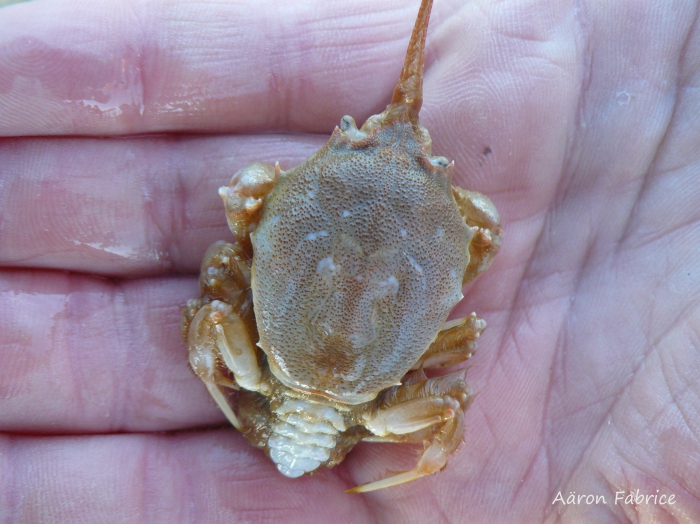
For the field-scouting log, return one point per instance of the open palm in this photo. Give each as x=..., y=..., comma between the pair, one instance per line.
x=579, y=119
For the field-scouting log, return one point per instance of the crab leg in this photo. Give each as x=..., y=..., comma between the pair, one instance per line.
x=244, y=198
x=238, y=353
x=455, y=343
x=223, y=404
x=432, y=460
x=412, y=415
x=204, y=362
x=482, y=216
x=219, y=326
x=216, y=329
x=414, y=406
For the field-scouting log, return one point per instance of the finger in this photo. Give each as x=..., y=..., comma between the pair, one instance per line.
x=124, y=207
x=135, y=67
x=86, y=354
x=189, y=477
x=526, y=183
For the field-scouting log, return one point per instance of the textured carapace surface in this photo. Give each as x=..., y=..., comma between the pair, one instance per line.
x=352, y=246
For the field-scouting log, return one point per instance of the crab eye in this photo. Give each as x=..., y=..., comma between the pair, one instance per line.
x=347, y=123
x=349, y=129
x=439, y=161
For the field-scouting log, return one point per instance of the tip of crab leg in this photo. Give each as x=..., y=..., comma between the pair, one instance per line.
x=432, y=460
x=223, y=405
x=394, y=480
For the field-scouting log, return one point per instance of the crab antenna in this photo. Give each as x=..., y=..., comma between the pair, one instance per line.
x=408, y=93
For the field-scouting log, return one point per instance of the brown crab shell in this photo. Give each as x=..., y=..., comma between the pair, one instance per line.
x=358, y=260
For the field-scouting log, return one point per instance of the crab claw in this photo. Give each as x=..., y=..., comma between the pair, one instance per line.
x=243, y=198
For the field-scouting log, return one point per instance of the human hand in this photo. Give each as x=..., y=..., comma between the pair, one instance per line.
x=579, y=122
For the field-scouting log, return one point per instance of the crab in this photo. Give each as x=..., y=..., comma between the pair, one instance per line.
x=327, y=311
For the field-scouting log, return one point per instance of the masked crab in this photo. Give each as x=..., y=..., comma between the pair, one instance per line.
x=333, y=300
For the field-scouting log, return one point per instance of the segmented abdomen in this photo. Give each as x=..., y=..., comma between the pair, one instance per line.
x=303, y=436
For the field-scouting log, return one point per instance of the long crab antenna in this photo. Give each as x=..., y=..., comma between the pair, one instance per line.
x=408, y=93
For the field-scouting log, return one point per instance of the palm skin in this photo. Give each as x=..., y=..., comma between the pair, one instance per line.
x=578, y=119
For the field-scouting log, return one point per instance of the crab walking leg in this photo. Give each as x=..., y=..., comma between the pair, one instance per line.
x=412, y=415
x=244, y=198
x=223, y=404
x=216, y=330
x=482, y=216
x=413, y=407
x=239, y=353
x=433, y=459
x=225, y=276
x=225, y=273
x=226, y=304
x=455, y=343
x=204, y=352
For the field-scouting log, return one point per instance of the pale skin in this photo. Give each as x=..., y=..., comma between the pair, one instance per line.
x=579, y=121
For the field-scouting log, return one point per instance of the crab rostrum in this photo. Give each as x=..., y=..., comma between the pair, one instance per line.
x=333, y=301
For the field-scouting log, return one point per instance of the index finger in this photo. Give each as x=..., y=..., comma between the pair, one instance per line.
x=142, y=67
